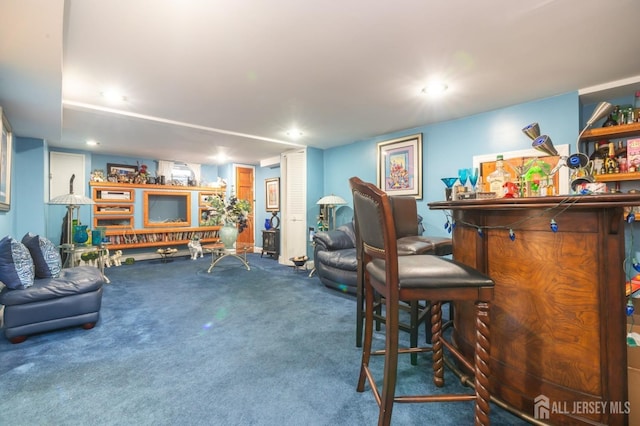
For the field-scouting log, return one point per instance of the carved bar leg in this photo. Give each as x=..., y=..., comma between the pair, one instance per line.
x=481, y=360
x=436, y=333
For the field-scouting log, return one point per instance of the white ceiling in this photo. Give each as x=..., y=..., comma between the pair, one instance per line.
x=232, y=76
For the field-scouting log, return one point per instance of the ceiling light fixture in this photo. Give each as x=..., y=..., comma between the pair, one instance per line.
x=294, y=134
x=434, y=89
x=91, y=142
x=113, y=96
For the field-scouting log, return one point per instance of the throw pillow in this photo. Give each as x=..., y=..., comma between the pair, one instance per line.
x=16, y=265
x=46, y=257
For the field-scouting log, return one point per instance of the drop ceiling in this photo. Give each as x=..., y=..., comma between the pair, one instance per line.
x=233, y=76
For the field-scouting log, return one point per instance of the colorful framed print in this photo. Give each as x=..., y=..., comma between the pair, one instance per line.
x=400, y=166
x=272, y=194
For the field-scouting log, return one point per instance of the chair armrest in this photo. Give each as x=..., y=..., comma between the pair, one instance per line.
x=333, y=240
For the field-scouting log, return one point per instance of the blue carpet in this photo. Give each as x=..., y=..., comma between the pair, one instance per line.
x=178, y=346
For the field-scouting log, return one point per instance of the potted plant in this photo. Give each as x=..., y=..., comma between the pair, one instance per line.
x=231, y=213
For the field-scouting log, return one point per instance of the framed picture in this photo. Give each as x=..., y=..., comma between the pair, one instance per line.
x=400, y=166
x=272, y=193
x=5, y=164
x=120, y=169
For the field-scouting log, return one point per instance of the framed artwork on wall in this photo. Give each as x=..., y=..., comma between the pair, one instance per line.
x=400, y=166
x=5, y=163
x=120, y=169
x=272, y=194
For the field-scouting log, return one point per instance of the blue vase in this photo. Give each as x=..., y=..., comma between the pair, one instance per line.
x=267, y=224
x=80, y=234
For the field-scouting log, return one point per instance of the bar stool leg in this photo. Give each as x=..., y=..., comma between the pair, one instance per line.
x=392, y=331
x=436, y=333
x=368, y=337
x=481, y=360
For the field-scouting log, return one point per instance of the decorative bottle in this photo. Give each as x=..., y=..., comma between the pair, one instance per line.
x=498, y=178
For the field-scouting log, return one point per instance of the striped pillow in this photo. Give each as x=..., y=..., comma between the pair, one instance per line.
x=45, y=255
x=16, y=266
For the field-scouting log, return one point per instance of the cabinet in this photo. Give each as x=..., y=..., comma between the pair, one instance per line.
x=114, y=209
x=612, y=133
x=271, y=242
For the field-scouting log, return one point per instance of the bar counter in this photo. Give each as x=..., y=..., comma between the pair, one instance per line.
x=558, y=317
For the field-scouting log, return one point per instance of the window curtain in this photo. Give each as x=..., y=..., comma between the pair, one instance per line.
x=195, y=168
x=165, y=168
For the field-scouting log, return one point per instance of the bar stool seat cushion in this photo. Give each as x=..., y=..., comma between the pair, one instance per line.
x=430, y=271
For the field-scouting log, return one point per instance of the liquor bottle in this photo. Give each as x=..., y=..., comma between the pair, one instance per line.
x=498, y=178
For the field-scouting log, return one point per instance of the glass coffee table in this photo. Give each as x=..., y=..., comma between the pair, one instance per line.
x=218, y=252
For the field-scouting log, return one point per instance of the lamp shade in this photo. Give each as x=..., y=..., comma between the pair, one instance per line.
x=532, y=130
x=71, y=200
x=332, y=200
x=601, y=111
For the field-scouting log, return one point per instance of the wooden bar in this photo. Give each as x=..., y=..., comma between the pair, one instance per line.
x=558, y=317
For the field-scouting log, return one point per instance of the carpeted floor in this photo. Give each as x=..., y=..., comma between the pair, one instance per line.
x=178, y=346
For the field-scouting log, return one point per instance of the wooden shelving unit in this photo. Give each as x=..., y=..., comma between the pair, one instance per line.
x=623, y=131
x=114, y=210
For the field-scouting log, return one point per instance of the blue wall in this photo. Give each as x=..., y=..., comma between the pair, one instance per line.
x=447, y=147
x=451, y=145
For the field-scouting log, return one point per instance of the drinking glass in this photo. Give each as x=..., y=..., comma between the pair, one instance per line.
x=463, y=175
x=449, y=182
x=473, y=178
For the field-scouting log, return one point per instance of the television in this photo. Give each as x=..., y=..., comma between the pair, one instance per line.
x=166, y=209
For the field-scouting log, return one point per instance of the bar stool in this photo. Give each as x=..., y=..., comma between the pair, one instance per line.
x=405, y=215
x=408, y=278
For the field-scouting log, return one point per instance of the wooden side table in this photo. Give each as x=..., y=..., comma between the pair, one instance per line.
x=218, y=252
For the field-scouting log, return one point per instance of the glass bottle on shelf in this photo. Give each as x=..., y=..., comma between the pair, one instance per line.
x=498, y=178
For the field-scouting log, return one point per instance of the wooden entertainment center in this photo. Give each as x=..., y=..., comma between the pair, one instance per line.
x=117, y=205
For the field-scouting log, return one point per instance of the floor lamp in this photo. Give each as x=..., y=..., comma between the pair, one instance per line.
x=329, y=204
x=73, y=202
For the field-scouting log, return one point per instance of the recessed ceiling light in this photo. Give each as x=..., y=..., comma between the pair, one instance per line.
x=91, y=142
x=294, y=133
x=434, y=89
x=219, y=158
x=113, y=96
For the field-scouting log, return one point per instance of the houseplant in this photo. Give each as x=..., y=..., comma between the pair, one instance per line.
x=231, y=213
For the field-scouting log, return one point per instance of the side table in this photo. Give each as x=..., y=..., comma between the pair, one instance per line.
x=218, y=252
x=72, y=251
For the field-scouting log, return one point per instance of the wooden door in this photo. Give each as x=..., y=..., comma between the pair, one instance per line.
x=244, y=190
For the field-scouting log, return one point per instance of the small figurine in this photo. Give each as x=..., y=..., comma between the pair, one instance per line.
x=195, y=248
x=116, y=258
x=510, y=190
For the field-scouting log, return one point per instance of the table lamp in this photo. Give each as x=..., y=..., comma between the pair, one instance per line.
x=330, y=202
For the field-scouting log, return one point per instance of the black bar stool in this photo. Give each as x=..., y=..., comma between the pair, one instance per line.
x=415, y=278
